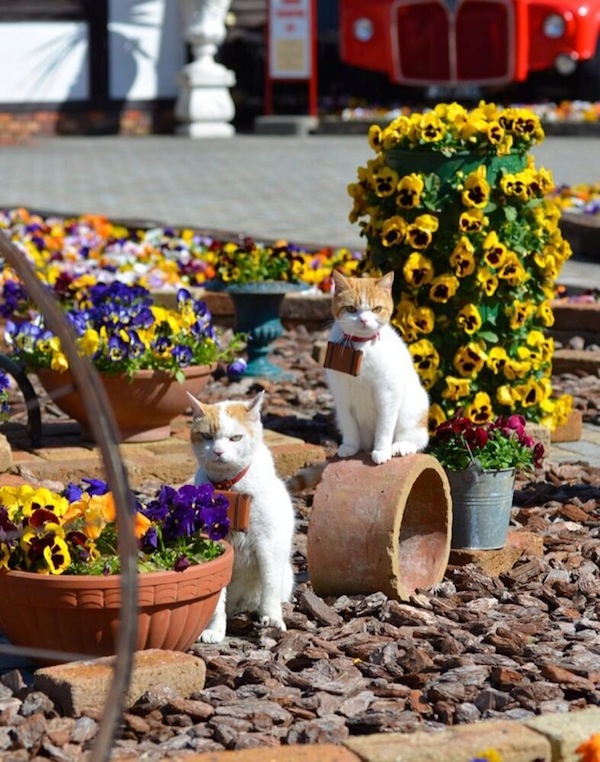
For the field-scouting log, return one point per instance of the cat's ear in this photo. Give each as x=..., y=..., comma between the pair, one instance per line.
x=253, y=407
x=197, y=409
x=386, y=281
x=339, y=281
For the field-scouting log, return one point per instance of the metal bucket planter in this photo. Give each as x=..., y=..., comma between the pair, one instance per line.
x=481, y=503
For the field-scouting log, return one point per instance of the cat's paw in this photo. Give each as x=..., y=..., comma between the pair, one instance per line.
x=213, y=635
x=272, y=621
x=381, y=456
x=347, y=450
x=404, y=448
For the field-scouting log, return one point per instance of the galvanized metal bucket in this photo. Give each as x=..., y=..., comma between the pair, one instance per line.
x=481, y=502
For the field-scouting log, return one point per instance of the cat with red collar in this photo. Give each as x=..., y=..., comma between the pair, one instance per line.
x=227, y=440
x=381, y=406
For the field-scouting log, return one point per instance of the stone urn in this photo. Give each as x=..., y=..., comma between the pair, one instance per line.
x=204, y=105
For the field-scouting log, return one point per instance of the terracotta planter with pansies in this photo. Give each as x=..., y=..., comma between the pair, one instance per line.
x=80, y=614
x=143, y=406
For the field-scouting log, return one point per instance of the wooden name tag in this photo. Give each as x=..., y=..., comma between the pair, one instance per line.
x=343, y=358
x=238, y=511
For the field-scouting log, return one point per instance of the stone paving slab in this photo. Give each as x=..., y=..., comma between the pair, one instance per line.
x=170, y=461
x=82, y=687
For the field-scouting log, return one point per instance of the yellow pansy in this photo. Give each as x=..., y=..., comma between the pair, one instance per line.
x=497, y=359
x=409, y=190
x=545, y=314
x=469, y=360
x=393, y=231
x=494, y=252
x=472, y=221
x=514, y=369
x=488, y=281
x=480, y=410
x=418, y=270
x=419, y=234
x=456, y=388
x=436, y=416
x=443, y=288
x=477, y=190
x=385, y=182
x=506, y=395
x=425, y=356
x=469, y=319
x=518, y=313
x=431, y=128
x=462, y=258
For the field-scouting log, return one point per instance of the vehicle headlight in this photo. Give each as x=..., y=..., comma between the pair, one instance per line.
x=554, y=26
x=363, y=29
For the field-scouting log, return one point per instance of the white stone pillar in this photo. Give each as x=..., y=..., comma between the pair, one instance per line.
x=204, y=104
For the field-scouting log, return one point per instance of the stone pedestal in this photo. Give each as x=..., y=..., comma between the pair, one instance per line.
x=204, y=105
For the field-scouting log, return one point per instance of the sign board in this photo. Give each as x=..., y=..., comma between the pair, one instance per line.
x=290, y=39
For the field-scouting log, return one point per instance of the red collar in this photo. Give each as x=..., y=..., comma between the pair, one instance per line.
x=228, y=483
x=362, y=339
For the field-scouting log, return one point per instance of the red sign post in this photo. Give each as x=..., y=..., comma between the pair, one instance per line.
x=291, y=48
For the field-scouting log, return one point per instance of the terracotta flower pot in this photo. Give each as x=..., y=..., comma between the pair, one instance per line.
x=80, y=614
x=143, y=407
x=379, y=528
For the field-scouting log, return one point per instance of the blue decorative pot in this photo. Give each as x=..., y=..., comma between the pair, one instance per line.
x=257, y=306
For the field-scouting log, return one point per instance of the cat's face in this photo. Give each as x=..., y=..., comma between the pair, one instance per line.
x=225, y=435
x=362, y=306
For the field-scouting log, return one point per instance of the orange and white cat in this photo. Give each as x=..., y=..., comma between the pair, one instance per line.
x=227, y=439
x=384, y=409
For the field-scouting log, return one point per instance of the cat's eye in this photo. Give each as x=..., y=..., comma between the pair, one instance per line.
x=235, y=438
x=206, y=436
x=351, y=310
x=377, y=309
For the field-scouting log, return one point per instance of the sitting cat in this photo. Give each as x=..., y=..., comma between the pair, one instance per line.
x=227, y=439
x=384, y=409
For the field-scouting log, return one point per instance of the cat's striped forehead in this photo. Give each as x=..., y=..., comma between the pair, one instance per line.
x=221, y=419
x=365, y=293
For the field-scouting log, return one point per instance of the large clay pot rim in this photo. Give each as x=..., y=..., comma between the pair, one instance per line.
x=144, y=373
x=113, y=580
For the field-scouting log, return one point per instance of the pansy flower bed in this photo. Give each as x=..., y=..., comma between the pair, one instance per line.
x=77, y=252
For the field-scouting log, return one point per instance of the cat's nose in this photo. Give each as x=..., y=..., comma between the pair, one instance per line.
x=218, y=453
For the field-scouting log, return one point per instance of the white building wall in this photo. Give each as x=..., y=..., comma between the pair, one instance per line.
x=146, y=48
x=48, y=62
x=43, y=63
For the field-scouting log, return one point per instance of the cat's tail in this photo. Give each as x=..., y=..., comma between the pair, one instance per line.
x=306, y=478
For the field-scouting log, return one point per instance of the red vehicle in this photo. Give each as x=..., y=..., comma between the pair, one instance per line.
x=477, y=43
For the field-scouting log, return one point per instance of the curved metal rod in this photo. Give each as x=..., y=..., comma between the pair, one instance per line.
x=104, y=430
x=34, y=417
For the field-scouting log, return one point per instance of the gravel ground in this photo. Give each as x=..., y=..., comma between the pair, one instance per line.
x=475, y=647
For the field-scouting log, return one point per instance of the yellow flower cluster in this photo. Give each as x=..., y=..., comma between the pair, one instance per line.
x=450, y=128
x=457, y=209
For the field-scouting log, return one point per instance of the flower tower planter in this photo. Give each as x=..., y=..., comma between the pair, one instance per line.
x=379, y=528
x=454, y=204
